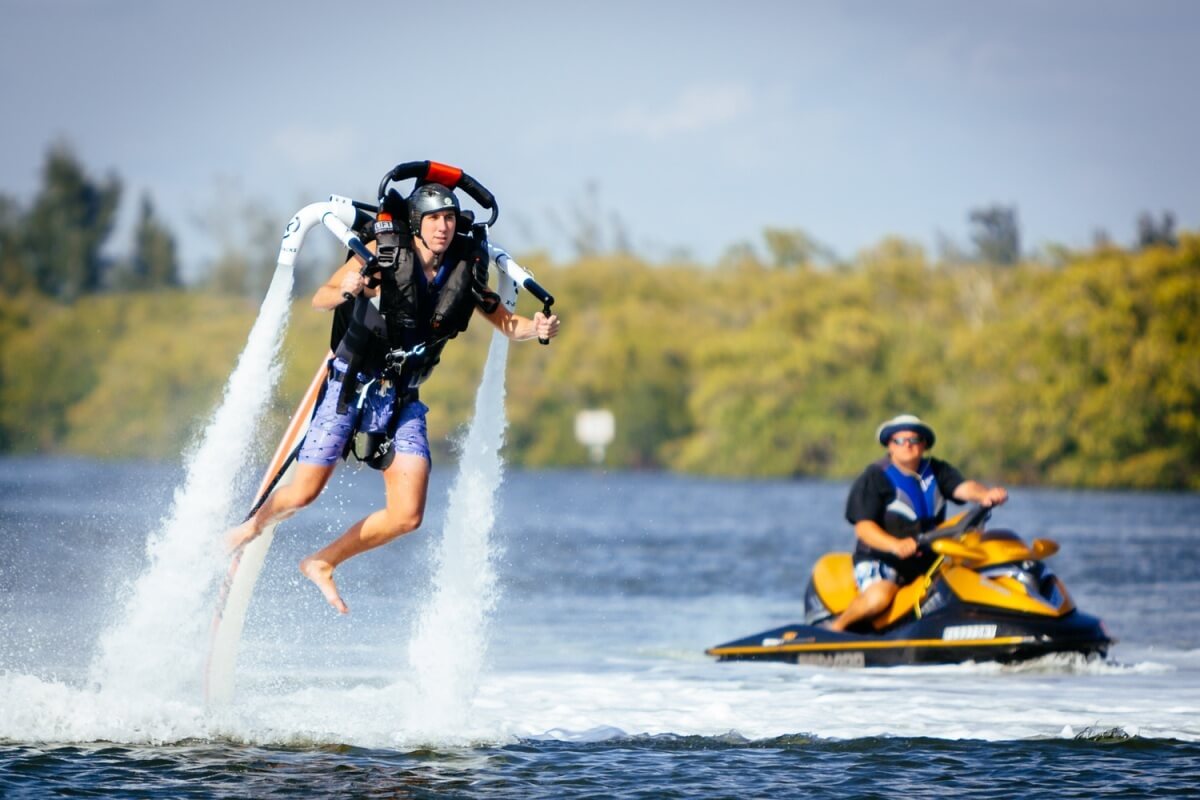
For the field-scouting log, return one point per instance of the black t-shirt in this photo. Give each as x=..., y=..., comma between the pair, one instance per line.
x=869, y=497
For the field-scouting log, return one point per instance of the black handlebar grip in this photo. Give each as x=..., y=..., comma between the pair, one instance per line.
x=370, y=261
x=535, y=289
x=547, y=301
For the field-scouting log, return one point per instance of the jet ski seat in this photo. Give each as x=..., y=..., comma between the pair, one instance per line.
x=833, y=578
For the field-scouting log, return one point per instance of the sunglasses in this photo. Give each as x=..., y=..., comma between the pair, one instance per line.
x=903, y=440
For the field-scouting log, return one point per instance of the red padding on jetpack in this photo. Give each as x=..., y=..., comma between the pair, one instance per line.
x=443, y=174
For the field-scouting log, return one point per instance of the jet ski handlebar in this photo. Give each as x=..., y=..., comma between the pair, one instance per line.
x=971, y=519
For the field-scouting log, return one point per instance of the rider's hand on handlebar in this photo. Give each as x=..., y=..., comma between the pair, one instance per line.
x=352, y=284
x=546, y=327
x=994, y=497
x=905, y=548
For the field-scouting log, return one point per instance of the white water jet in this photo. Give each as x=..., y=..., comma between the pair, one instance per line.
x=448, y=648
x=157, y=644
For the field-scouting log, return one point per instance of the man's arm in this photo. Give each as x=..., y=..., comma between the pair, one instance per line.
x=518, y=328
x=347, y=280
x=976, y=492
x=866, y=505
x=875, y=537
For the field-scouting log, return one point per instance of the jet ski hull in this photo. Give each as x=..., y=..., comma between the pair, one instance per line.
x=943, y=639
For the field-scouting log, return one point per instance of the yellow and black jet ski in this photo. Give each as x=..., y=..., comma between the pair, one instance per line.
x=989, y=596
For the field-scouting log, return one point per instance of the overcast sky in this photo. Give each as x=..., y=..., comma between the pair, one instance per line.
x=697, y=124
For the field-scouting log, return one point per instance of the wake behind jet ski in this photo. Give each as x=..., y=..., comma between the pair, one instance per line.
x=989, y=596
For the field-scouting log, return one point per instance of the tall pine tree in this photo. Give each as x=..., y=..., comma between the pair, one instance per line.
x=67, y=226
x=153, y=263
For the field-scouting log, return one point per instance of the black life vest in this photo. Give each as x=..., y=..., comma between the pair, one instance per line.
x=403, y=330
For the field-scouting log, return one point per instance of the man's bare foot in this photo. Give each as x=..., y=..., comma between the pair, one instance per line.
x=240, y=535
x=321, y=573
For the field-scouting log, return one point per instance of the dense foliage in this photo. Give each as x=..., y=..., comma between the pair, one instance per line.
x=1080, y=374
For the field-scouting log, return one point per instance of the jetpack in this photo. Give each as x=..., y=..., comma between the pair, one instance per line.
x=513, y=276
x=351, y=222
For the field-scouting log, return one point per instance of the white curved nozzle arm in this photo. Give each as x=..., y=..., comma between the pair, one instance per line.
x=337, y=214
x=518, y=275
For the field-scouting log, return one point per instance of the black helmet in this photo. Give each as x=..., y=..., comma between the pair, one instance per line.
x=427, y=199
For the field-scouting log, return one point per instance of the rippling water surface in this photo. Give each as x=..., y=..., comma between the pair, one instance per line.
x=592, y=679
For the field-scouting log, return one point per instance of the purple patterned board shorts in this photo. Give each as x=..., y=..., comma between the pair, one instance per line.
x=371, y=412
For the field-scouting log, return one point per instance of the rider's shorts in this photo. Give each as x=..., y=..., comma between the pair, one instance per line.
x=867, y=572
x=329, y=431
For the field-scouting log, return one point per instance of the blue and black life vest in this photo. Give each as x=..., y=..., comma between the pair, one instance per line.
x=918, y=506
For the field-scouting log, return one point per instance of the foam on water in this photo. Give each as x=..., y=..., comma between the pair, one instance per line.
x=750, y=701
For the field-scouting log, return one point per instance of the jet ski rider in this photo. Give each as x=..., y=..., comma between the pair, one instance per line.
x=433, y=296
x=893, y=501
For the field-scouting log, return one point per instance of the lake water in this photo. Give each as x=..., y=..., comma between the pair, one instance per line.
x=591, y=679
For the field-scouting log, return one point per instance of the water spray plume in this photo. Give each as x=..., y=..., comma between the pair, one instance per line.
x=164, y=620
x=450, y=643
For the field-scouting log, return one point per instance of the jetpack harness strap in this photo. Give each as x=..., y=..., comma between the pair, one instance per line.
x=390, y=238
x=373, y=438
x=391, y=246
x=453, y=178
x=403, y=332
x=396, y=359
x=423, y=311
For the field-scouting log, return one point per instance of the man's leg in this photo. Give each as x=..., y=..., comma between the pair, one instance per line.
x=406, y=482
x=867, y=603
x=322, y=448
x=307, y=484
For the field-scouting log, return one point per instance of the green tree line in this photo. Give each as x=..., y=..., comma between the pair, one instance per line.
x=1082, y=372
x=56, y=246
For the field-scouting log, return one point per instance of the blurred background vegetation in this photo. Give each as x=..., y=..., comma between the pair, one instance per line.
x=1066, y=368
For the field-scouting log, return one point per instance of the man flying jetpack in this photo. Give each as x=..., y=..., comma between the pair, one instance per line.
x=416, y=273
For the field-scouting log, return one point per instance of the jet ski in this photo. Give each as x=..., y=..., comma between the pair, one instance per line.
x=989, y=596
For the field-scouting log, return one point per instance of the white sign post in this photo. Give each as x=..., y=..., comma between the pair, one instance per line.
x=594, y=428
